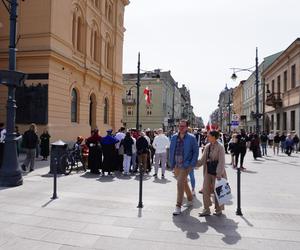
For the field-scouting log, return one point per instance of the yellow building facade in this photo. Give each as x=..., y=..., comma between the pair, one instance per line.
x=75, y=49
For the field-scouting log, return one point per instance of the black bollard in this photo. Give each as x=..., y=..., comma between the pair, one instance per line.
x=140, y=205
x=55, y=181
x=239, y=210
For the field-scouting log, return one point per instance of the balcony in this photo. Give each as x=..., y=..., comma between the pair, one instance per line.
x=128, y=101
x=274, y=100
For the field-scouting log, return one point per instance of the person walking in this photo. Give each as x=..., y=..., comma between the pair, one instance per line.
x=142, y=147
x=271, y=139
x=127, y=144
x=30, y=142
x=254, y=146
x=213, y=160
x=109, y=153
x=184, y=152
x=263, y=143
x=133, y=157
x=276, y=143
x=119, y=157
x=95, y=152
x=289, y=145
x=160, y=143
x=2, y=141
x=282, y=142
x=242, y=140
x=296, y=143
x=233, y=148
x=44, y=144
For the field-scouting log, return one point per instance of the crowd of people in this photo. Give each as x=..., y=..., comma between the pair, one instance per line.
x=133, y=151
x=30, y=142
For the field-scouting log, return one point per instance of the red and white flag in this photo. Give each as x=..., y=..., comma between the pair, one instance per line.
x=147, y=95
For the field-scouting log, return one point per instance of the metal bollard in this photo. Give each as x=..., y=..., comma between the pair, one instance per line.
x=55, y=182
x=140, y=205
x=239, y=210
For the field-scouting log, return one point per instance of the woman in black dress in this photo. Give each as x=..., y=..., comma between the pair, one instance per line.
x=95, y=152
x=44, y=144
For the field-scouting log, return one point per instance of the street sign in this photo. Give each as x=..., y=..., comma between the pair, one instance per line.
x=235, y=121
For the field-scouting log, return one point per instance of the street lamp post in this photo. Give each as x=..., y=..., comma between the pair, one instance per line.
x=141, y=168
x=10, y=173
x=257, y=117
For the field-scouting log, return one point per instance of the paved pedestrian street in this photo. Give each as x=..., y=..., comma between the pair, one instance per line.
x=100, y=212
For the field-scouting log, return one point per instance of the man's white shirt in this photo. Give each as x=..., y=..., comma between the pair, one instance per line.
x=119, y=136
x=161, y=143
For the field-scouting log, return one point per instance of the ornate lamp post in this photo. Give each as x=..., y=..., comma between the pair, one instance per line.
x=10, y=173
x=257, y=116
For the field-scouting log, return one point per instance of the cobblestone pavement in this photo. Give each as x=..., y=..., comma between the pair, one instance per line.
x=95, y=212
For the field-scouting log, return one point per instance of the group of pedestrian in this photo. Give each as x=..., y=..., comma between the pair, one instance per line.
x=127, y=152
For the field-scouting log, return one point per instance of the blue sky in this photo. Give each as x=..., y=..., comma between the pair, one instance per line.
x=200, y=40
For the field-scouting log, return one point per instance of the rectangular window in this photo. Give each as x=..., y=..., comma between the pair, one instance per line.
x=149, y=111
x=285, y=75
x=278, y=84
x=284, y=125
x=129, y=111
x=267, y=87
x=272, y=122
x=293, y=120
x=293, y=76
x=273, y=86
x=278, y=121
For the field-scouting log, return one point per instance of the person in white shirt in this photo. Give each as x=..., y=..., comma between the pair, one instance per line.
x=133, y=157
x=120, y=136
x=271, y=138
x=2, y=141
x=161, y=143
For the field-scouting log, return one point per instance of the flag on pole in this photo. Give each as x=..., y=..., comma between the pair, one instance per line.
x=147, y=95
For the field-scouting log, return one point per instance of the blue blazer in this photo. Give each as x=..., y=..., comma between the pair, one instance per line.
x=190, y=150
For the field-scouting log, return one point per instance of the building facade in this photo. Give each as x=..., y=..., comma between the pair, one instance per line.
x=72, y=52
x=249, y=96
x=225, y=109
x=165, y=108
x=237, y=104
x=282, y=79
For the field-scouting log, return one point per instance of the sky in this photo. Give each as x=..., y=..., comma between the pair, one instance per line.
x=199, y=40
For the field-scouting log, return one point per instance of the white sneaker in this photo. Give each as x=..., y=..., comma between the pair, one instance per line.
x=188, y=204
x=193, y=193
x=177, y=211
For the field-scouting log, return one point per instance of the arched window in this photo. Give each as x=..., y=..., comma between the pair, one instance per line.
x=109, y=10
x=78, y=29
x=79, y=34
x=108, y=53
x=96, y=47
x=74, y=106
x=74, y=30
x=95, y=42
x=106, y=111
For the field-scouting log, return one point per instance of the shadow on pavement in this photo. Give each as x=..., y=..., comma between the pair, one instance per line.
x=248, y=222
x=249, y=171
x=106, y=178
x=189, y=224
x=161, y=181
x=225, y=226
x=89, y=175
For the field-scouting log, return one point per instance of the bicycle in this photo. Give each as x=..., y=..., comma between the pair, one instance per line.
x=70, y=160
